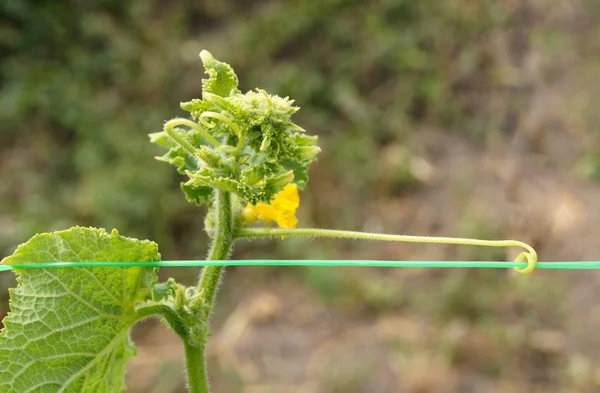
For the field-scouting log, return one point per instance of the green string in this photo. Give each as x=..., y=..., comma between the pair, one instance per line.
x=314, y=262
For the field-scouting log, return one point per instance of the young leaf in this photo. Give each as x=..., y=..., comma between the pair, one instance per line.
x=222, y=80
x=68, y=329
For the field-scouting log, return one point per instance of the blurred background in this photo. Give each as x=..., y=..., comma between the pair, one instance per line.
x=455, y=118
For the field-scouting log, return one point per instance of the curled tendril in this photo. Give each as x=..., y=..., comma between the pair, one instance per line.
x=185, y=122
x=530, y=256
x=227, y=120
x=206, y=123
x=171, y=124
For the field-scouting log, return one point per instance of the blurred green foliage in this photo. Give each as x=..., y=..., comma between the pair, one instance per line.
x=84, y=82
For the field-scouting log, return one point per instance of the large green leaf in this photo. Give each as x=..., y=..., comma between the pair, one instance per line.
x=68, y=329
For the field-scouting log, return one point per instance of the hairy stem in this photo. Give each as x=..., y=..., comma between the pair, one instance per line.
x=220, y=248
x=530, y=255
x=207, y=287
x=167, y=312
x=194, y=361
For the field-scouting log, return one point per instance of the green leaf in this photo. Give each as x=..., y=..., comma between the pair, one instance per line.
x=199, y=195
x=300, y=172
x=68, y=329
x=222, y=79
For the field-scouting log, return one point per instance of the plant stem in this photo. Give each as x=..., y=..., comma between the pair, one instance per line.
x=207, y=287
x=167, y=312
x=220, y=248
x=194, y=361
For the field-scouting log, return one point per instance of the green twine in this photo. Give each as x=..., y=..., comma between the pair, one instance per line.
x=314, y=262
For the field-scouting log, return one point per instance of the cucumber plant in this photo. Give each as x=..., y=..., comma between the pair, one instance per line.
x=69, y=329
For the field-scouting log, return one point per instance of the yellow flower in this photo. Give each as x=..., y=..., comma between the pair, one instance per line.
x=281, y=210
